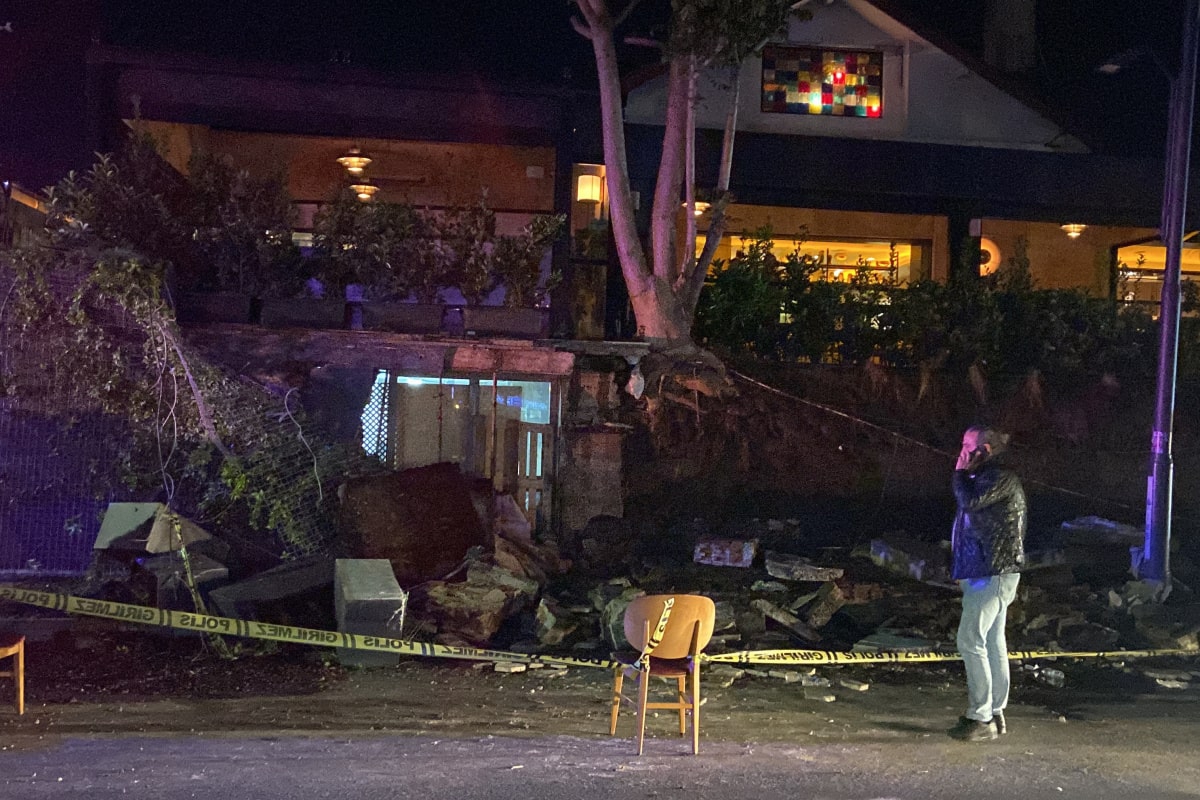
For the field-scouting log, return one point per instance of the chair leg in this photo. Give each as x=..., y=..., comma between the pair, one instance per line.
x=643, y=690
x=618, y=682
x=696, y=707
x=682, y=700
x=19, y=677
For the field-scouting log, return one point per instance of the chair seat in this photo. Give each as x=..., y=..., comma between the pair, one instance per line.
x=9, y=642
x=659, y=667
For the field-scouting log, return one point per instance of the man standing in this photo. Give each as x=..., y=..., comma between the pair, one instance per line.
x=987, y=543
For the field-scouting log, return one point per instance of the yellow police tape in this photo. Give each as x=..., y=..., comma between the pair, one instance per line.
x=206, y=623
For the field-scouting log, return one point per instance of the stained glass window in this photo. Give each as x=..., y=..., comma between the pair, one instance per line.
x=811, y=80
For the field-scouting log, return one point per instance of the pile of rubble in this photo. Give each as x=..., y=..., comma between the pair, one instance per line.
x=464, y=569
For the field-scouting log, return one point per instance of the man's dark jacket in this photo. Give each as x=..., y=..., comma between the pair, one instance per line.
x=989, y=529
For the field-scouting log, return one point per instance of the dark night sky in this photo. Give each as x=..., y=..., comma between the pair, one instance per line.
x=42, y=75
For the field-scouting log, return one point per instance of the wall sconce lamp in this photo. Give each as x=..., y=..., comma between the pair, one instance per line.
x=700, y=208
x=1073, y=229
x=364, y=190
x=588, y=189
x=355, y=161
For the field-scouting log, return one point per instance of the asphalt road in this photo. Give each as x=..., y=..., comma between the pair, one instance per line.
x=438, y=731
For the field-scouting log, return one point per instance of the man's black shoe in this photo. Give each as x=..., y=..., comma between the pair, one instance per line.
x=972, y=730
x=1001, y=727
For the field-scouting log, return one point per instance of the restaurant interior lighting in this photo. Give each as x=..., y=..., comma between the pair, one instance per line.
x=355, y=161
x=1073, y=229
x=588, y=189
x=364, y=190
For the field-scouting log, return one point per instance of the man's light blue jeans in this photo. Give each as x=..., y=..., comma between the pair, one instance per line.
x=982, y=644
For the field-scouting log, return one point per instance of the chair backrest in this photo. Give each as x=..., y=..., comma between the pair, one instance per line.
x=688, y=612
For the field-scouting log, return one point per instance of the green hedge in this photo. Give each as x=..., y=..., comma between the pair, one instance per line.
x=781, y=310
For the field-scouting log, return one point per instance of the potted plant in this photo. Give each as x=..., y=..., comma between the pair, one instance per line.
x=516, y=263
x=241, y=230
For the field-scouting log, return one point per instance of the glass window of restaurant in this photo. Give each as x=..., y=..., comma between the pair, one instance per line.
x=841, y=259
x=492, y=428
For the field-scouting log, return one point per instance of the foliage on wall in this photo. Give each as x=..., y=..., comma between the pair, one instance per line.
x=92, y=293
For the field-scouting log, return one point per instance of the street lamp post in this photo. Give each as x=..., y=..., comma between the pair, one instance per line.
x=1154, y=563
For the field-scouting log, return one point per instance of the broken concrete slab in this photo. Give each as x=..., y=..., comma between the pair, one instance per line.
x=1092, y=529
x=1086, y=636
x=422, y=520
x=368, y=600
x=918, y=560
x=795, y=568
x=1169, y=627
x=726, y=552
x=788, y=620
x=725, y=617
x=171, y=580
x=257, y=597
x=827, y=602
x=723, y=675
x=853, y=685
x=751, y=622
x=612, y=618
x=509, y=667
x=473, y=610
x=146, y=527
x=553, y=623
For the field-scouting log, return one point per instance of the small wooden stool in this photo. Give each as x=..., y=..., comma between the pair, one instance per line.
x=12, y=644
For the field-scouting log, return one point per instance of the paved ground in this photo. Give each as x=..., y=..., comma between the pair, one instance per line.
x=436, y=729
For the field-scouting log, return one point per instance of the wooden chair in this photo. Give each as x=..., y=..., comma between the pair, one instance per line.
x=677, y=655
x=14, y=645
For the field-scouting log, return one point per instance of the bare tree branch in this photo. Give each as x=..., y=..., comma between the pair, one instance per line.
x=644, y=41
x=581, y=28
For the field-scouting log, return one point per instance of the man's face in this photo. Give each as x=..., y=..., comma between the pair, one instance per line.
x=971, y=441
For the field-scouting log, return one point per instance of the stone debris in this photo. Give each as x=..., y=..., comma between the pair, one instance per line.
x=726, y=552
x=786, y=675
x=1170, y=684
x=1092, y=529
x=853, y=685
x=822, y=608
x=170, y=578
x=262, y=596
x=796, y=568
x=819, y=694
x=1168, y=675
x=918, y=560
x=771, y=587
x=724, y=675
x=818, y=681
x=509, y=667
x=788, y=620
x=553, y=623
x=473, y=610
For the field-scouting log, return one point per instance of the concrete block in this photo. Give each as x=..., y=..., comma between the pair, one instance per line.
x=242, y=600
x=918, y=560
x=368, y=600
x=795, y=568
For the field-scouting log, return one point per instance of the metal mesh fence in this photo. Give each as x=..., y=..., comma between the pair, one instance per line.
x=63, y=459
